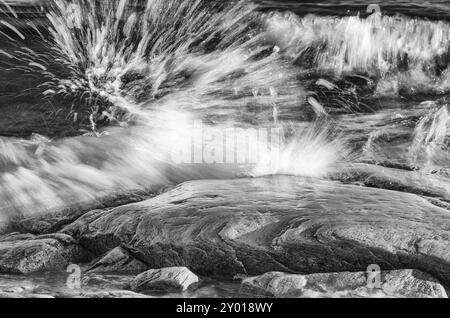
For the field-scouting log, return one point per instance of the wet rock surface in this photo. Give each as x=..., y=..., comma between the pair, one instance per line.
x=250, y=227
x=401, y=283
x=55, y=220
x=55, y=285
x=26, y=253
x=165, y=279
x=382, y=177
x=253, y=226
x=118, y=260
x=112, y=294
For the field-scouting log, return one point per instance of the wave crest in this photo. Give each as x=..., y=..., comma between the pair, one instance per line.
x=411, y=52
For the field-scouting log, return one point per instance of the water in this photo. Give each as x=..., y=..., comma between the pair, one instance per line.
x=107, y=94
x=110, y=97
x=150, y=81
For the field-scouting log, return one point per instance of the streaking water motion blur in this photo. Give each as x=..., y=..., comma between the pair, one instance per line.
x=131, y=79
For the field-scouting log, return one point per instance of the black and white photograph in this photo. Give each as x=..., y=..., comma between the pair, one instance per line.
x=238, y=151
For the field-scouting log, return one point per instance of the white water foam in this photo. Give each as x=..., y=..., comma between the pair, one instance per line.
x=403, y=52
x=187, y=62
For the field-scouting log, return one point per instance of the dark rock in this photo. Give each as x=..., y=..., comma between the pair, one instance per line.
x=4, y=227
x=26, y=253
x=288, y=224
x=401, y=283
x=173, y=279
x=118, y=261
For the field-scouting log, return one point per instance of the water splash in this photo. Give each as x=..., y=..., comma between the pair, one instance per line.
x=371, y=147
x=431, y=139
x=309, y=151
x=147, y=72
x=117, y=51
x=411, y=53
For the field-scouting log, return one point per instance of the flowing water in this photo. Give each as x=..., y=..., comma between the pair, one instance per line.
x=99, y=98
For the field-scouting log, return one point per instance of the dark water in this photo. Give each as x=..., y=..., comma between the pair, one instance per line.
x=436, y=10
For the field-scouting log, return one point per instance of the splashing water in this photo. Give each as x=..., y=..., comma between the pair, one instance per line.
x=403, y=53
x=117, y=52
x=310, y=152
x=147, y=71
x=431, y=139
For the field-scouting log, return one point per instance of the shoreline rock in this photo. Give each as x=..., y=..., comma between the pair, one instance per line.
x=253, y=226
x=112, y=294
x=26, y=253
x=247, y=227
x=399, y=284
x=117, y=261
x=173, y=279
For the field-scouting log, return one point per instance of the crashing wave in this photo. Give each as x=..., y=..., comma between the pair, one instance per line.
x=119, y=53
x=151, y=70
x=404, y=53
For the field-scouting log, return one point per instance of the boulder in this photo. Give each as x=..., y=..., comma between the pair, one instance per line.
x=282, y=223
x=400, y=283
x=118, y=261
x=276, y=284
x=173, y=279
x=26, y=253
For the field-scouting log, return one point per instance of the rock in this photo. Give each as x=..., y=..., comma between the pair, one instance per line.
x=11, y=295
x=412, y=283
x=401, y=283
x=26, y=253
x=53, y=221
x=4, y=227
x=118, y=261
x=106, y=282
x=276, y=284
x=176, y=279
x=112, y=294
x=286, y=224
x=415, y=182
